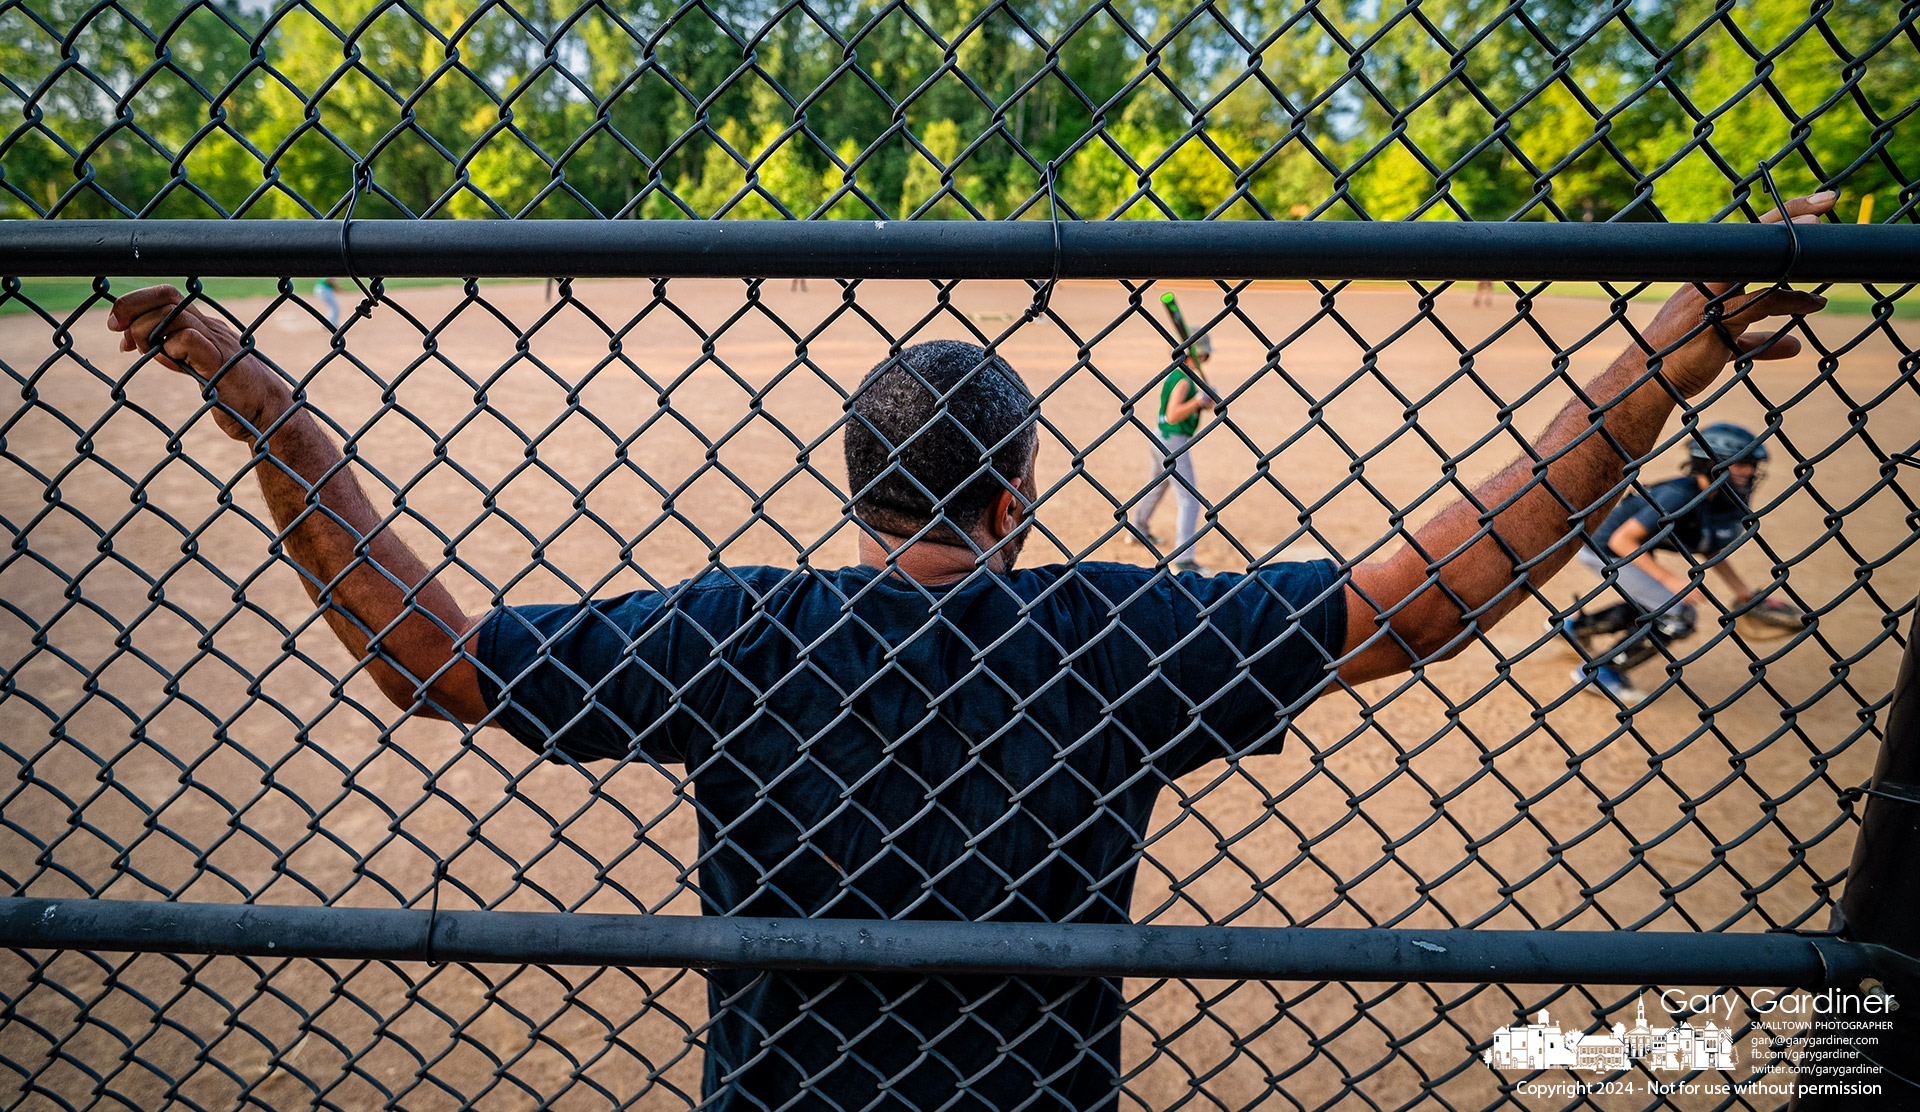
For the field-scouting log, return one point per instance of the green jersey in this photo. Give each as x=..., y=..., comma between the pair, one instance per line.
x=1192, y=424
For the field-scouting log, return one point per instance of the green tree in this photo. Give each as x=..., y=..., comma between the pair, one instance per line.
x=921, y=194
x=173, y=111
x=1752, y=116
x=1456, y=109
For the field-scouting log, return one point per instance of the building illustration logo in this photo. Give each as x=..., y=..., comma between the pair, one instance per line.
x=1542, y=1045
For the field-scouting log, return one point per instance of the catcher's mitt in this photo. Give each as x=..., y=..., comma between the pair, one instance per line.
x=1772, y=618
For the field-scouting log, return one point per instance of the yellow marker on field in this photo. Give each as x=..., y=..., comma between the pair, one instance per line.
x=1866, y=209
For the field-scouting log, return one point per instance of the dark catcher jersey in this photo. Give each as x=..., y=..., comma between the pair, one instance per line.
x=861, y=746
x=1679, y=517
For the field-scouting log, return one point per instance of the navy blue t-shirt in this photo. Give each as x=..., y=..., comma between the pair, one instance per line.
x=1679, y=517
x=862, y=746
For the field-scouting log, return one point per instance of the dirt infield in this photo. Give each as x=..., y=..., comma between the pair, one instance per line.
x=182, y=727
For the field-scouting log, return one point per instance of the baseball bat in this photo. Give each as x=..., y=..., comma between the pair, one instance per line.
x=1196, y=349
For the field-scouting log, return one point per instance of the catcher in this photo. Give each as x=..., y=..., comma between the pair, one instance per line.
x=1704, y=513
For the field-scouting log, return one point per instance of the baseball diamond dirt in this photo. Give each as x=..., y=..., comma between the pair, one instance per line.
x=182, y=727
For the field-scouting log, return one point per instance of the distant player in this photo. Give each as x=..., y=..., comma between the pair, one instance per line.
x=1183, y=397
x=1704, y=513
x=323, y=289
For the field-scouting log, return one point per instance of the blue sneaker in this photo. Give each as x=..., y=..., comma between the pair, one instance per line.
x=1604, y=681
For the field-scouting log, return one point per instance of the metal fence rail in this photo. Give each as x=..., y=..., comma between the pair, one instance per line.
x=186, y=735
x=896, y=946
x=1529, y=252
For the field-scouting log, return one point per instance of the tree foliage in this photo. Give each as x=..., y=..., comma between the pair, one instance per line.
x=1441, y=109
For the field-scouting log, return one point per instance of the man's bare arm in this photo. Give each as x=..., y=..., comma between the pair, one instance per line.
x=1421, y=596
x=374, y=591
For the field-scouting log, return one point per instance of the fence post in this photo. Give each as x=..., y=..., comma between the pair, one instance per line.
x=1882, y=903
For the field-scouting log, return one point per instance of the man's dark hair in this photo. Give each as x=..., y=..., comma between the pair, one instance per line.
x=921, y=422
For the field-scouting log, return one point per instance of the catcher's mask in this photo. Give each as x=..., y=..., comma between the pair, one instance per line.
x=1718, y=447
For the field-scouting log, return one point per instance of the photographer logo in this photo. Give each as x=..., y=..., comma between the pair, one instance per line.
x=1542, y=1045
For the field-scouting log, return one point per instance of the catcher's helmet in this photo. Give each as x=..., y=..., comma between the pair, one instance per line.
x=1725, y=443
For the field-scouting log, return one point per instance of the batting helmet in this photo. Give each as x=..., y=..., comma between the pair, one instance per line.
x=1725, y=443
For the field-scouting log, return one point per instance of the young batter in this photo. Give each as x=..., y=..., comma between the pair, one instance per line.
x=1182, y=399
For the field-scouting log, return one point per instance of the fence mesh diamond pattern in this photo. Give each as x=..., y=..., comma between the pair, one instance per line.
x=183, y=725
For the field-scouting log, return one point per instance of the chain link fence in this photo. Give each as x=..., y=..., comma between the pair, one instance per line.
x=183, y=726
